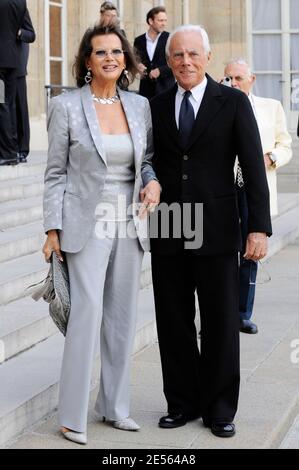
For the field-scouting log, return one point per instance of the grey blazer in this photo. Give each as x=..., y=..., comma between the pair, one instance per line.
x=77, y=166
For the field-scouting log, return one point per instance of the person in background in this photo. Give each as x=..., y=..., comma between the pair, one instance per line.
x=156, y=76
x=109, y=16
x=26, y=35
x=12, y=14
x=277, y=151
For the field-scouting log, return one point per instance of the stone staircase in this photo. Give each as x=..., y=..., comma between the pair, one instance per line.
x=30, y=345
x=288, y=175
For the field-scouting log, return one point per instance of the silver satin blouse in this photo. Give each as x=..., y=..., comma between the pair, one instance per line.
x=118, y=190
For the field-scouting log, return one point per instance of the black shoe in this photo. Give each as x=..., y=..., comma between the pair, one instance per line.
x=223, y=429
x=8, y=161
x=22, y=157
x=247, y=326
x=176, y=420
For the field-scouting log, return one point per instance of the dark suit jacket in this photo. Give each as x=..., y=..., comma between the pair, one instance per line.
x=148, y=87
x=11, y=17
x=204, y=171
x=27, y=36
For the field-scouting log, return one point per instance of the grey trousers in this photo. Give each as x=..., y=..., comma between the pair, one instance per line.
x=104, y=285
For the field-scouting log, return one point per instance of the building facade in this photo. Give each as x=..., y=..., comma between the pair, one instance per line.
x=264, y=31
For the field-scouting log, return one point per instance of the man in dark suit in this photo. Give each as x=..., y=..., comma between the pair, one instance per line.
x=156, y=76
x=11, y=17
x=26, y=35
x=199, y=127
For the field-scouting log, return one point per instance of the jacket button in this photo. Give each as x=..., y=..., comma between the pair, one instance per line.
x=185, y=157
x=185, y=177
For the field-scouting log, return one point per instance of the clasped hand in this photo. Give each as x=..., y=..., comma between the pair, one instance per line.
x=150, y=198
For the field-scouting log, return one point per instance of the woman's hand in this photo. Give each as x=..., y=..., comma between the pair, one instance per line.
x=52, y=244
x=150, y=197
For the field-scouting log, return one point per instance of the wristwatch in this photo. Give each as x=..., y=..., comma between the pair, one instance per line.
x=273, y=159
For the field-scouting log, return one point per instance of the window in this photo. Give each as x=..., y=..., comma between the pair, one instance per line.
x=273, y=27
x=55, y=31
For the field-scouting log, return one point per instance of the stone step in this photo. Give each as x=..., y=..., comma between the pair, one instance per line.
x=288, y=182
x=286, y=202
x=24, y=323
x=16, y=275
x=20, y=212
x=35, y=166
x=21, y=188
x=285, y=231
x=21, y=241
x=29, y=381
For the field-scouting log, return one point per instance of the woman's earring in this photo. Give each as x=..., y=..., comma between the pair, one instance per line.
x=126, y=73
x=88, y=77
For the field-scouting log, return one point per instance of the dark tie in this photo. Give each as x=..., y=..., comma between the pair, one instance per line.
x=186, y=119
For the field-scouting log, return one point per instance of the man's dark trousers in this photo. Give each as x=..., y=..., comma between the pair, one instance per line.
x=248, y=268
x=207, y=382
x=23, y=127
x=8, y=134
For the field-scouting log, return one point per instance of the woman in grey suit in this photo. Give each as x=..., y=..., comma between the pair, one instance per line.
x=99, y=158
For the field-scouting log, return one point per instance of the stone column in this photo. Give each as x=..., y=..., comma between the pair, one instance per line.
x=186, y=11
x=120, y=6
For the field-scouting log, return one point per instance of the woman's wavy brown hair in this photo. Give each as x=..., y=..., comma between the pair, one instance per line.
x=85, y=49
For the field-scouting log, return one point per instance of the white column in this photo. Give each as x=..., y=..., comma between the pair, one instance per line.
x=139, y=19
x=159, y=3
x=47, y=41
x=120, y=7
x=64, y=30
x=186, y=12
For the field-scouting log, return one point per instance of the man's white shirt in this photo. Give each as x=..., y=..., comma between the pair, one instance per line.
x=151, y=45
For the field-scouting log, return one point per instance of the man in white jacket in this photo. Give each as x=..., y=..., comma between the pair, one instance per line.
x=276, y=143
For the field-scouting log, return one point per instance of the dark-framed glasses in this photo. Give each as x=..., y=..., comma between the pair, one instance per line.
x=102, y=54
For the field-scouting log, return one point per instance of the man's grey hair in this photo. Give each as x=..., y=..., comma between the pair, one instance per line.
x=187, y=29
x=238, y=61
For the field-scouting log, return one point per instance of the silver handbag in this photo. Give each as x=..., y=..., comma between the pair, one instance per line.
x=55, y=290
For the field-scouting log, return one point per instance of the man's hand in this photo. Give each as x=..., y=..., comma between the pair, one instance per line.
x=142, y=69
x=268, y=161
x=155, y=73
x=150, y=197
x=52, y=244
x=256, y=247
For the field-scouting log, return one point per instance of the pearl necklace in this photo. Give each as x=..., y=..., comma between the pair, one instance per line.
x=111, y=100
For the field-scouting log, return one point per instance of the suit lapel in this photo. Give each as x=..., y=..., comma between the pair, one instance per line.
x=92, y=121
x=212, y=101
x=158, y=47
x=144, y=47
x=168, y=114
x=131, y=113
